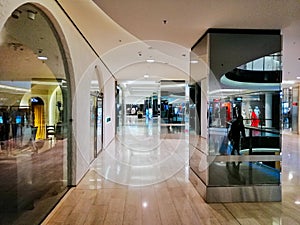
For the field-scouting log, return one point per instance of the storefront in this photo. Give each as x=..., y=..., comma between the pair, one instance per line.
x=34, y=100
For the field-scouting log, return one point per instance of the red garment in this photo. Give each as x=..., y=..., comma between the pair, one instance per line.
x=228, y=116
x=254, y=120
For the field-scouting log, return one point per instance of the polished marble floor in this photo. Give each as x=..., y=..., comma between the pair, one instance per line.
x=143, y=178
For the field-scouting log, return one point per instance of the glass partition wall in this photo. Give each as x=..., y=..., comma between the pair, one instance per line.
x=33, y=118
x=235, y=154
x=96, y=122
x=173, y=107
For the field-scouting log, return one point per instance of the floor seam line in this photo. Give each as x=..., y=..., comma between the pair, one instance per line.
x=231, y=213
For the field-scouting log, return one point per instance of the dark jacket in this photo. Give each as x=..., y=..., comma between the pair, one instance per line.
x=237, y=128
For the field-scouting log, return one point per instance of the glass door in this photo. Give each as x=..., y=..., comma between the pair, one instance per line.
x=93, y=125
x=99, y=126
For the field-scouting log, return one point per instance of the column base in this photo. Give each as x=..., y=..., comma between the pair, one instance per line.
x=258, y=193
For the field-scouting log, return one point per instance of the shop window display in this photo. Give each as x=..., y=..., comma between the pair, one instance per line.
x=33, y=167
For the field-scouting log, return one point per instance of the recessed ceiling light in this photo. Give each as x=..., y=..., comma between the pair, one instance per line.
x=194, y=61
x=150, y=60
x=31, y=14
x=43, y=58
x=298, y=77
x=16, y=14
x=146, y=75
x=288, y=82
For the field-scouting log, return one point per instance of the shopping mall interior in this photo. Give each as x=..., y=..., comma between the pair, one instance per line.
x=149, y=112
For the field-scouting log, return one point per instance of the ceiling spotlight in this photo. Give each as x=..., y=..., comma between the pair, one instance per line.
x=146, y=76
x=31, y=14
x=150, y=60
x=16, y=14
x=194, y=61
x=43, y=58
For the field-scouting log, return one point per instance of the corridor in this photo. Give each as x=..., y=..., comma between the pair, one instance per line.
x=143, y=178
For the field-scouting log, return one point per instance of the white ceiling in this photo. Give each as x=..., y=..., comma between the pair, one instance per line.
x=187, y=20
x=21, y=41
x=22, y=74
x=127, y=33
x=182, y=23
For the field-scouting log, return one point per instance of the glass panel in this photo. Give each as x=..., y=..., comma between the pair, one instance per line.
x=266, y=63
x=120, y=109
x=93, y=125
x=236, y=94
x=258, y=64
x=173, y=107
x=99, y=124
x=33, y=118
x=295, y=109
x=233, y=173
x=96, y=118
x=287, y=108
x=245, y=120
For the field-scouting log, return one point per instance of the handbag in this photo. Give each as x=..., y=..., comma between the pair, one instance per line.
x=224, y=146
x=229, y=147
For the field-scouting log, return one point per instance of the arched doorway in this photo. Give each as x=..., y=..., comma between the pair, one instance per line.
x=34, y=92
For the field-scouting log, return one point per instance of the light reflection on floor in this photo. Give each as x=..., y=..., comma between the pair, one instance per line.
x=143, y=153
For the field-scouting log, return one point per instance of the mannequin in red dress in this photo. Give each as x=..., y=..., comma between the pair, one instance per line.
x=254, y=120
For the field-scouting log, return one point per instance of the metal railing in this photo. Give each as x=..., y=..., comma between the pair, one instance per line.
x=266, y=133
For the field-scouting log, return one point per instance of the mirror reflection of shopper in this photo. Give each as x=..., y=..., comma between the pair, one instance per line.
x=237, y=129
x=289, y=116
x=233, y=173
